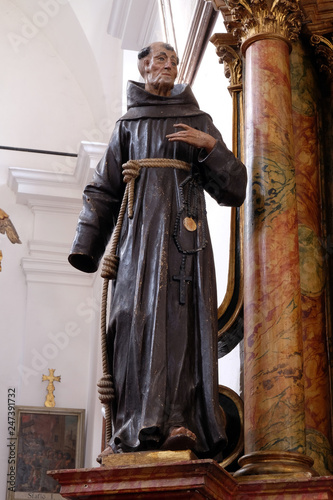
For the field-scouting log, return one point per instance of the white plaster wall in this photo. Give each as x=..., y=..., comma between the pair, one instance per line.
x=60, y=85
x=12, y=316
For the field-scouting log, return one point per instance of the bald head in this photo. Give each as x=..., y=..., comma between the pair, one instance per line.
x=147, y=50
x=158, y=67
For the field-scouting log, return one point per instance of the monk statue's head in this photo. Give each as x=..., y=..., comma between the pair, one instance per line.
x=158, y=67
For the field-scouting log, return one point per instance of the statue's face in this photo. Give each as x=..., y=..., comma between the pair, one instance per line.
x=160, y=69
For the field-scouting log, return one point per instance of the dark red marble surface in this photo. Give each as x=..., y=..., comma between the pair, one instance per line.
x=198, y=479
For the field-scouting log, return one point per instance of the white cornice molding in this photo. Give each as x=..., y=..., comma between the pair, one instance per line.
x=53, y=271
x=48, y=263
x=58, y=195
x=89, y=155
x=54, y=189
x=47, y=249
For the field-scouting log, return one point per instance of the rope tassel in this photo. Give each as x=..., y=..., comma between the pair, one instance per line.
x=131, y=170
x=105, y=389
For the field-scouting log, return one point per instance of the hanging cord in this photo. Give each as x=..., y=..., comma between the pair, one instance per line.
x=131, y=170
x=109, y=271
x=105, y=384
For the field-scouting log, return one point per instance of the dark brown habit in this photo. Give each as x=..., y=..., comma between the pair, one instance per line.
x=162, y=335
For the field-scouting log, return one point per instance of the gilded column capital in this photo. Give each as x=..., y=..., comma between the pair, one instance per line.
x=324, y=54
x=227, y=50
x=259, y=19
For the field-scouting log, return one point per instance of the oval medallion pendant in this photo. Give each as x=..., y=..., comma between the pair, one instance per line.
x=189, y=224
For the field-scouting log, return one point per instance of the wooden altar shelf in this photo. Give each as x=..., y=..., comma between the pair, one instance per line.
x=192, y=479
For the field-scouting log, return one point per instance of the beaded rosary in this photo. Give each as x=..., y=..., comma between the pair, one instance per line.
x=193, y=220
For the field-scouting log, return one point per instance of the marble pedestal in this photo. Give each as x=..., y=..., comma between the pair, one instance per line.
x=184, y=479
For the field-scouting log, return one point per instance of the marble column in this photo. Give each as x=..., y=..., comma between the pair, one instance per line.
x=306, y=123
x=274, y=418
x=286, y=367
x=273, y=386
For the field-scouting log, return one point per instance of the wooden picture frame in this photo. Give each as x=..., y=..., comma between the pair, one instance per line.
x=43, y=439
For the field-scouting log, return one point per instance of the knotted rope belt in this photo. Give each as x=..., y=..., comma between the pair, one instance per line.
x=131, y=170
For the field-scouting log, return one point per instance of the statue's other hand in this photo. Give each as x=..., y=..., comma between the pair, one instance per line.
x=192, y=136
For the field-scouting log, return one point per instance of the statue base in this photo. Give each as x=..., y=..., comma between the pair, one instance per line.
x=170, y=475
x=148, y=458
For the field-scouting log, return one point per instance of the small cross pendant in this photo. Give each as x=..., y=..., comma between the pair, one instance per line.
x=182, y=278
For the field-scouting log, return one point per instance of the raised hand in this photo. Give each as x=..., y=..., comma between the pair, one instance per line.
x=192, y=136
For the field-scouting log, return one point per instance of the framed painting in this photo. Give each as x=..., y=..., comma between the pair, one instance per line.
x=43, y=439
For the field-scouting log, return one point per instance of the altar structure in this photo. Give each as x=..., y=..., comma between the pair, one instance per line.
x=285, y=53
x=278, y=58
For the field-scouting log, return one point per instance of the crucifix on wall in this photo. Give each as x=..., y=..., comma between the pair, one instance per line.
x=50, y=401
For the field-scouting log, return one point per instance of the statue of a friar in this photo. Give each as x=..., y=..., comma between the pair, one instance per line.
x=162, y=330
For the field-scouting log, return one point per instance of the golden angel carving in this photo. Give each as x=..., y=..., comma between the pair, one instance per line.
x=7, y=227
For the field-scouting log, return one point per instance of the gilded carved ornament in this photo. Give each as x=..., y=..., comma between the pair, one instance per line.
x=264, y=18
x=232, y=65
x=7, y=227
x=227, y=50
x=230, y=315
x=324, y=53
